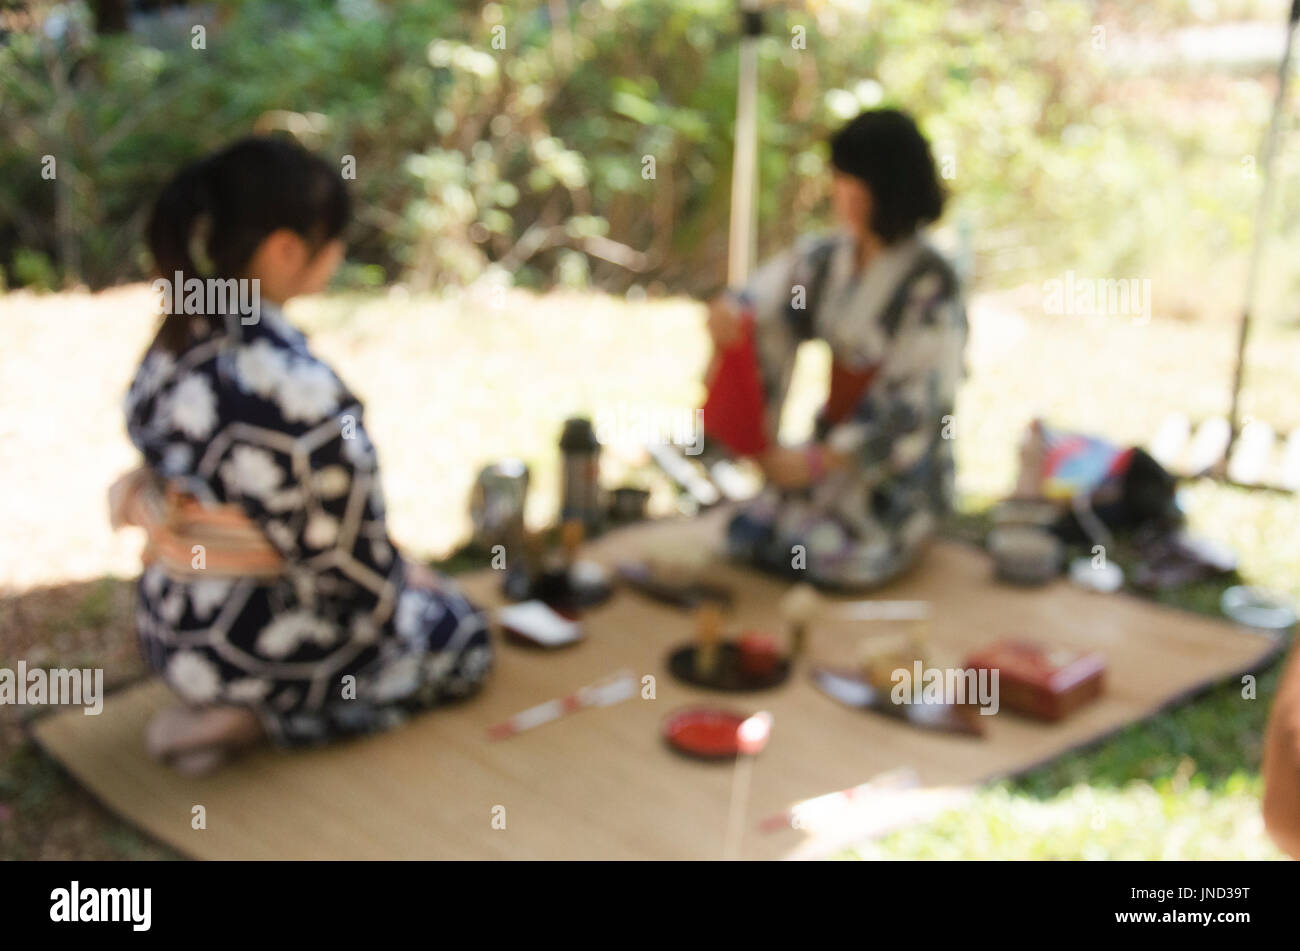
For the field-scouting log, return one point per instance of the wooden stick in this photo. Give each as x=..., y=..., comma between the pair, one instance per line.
x=744, y=167
x=877, y=611
x=751, y=737
x=803, y=606
x=613, y=689
x=708, y=632
x=804, y=603
x=571, y=535
x=740, y=779
x=1258, y=236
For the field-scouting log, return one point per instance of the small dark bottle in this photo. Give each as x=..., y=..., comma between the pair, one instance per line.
x=554, y=583
x=580, y=499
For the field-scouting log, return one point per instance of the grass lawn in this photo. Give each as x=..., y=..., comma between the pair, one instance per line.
x=451, y=383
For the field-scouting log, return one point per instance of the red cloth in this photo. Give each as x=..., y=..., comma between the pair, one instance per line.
x=846, y=389
x=734, y=408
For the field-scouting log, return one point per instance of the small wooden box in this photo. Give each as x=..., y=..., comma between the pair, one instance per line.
x=1039, y=681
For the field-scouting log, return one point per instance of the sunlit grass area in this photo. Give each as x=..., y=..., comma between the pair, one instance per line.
x=453, y=382
x=1162, y=820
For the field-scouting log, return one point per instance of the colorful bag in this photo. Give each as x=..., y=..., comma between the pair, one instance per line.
x=1124, y=488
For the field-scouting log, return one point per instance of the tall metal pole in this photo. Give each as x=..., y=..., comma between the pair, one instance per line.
x=743, y=240
x=1261, y=213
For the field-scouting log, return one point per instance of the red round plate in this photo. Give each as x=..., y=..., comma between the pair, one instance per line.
x=706, y=732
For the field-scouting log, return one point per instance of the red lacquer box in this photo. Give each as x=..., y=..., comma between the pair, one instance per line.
x=1040, y=681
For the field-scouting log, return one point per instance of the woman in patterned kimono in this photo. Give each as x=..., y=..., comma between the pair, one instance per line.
x=855, y=507
x=272, y=601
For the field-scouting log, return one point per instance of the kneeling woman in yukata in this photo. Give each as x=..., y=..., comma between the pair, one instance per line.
x=272, y=600
x=855, y=507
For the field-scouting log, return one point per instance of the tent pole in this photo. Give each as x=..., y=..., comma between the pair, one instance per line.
x=1261, y=212
x=742, y=239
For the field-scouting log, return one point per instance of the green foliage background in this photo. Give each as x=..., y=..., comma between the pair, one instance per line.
x=530, y=157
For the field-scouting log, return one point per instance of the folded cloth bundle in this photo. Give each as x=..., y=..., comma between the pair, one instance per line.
x=735, y=407
x=733, y=411
x=1098, y=487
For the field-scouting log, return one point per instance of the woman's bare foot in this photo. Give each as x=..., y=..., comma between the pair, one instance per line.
x=199, y=763
x=196, y=741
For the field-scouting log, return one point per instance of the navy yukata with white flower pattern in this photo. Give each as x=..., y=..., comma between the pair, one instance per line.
x=249, y=417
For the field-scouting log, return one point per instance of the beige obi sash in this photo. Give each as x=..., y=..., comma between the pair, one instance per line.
x=187, y=539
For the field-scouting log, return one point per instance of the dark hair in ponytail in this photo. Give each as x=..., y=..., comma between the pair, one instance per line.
x=223, y=206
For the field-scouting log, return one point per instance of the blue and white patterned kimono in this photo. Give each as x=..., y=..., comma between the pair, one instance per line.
x=863, y=525
x=341, y=644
